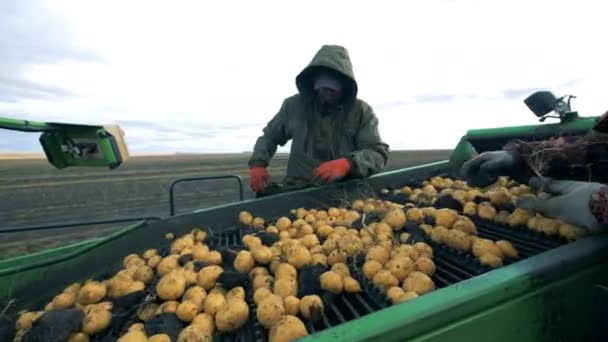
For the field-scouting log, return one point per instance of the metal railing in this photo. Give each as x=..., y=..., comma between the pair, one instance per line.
x=206, y=178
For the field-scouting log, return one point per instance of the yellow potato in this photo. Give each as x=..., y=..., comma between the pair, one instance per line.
x=213, y=303
x=486, y=211
x=426, y=266
x=418, y=282
x=319, y=258
x=351, y=285
x=464, y=224
x=244, y=262
x=384, y=279
x=299, y=256
x=378, y=254
x=470, y=209
x=507, y=248
x=79, y=337
x=194, y=333
x=133, y=336
x=270, y=310
x=258, y=271
x=246, y=218
x=187, y=310
x=199, y=251
x=147, y=311
x=64, y=300
x=208, y=275
x=25, y=320
x=519, y=217
x=332, y=281
x=439, y=234
x=168, y=307
x=336, y=256
x=341, y=269
x=400, y=267
x=286, y=287
x=570, y=232
x=484, y=246
x=283, y=224
x=149, y=253
x=159, y=338
x=414, y=215
x=91, y=293
x=167, y=264
x=258, y=222
x=445, y=217
x=144, y=273
x=232, y=316
x=292, y=305
x=458, y=240
x=371, y=267
x=311, y=307
x=286, y=270
x=262, y=281
x=96, y=321
x=394, y=294
x=213, y=258
x=204, y=321
x=310, y=240
x=237, y=293
x=262, y=254
x=289, y=328
x=171, y=286
x=424, y=249
x=491, y=260
x=154, y=261
x=260, y=294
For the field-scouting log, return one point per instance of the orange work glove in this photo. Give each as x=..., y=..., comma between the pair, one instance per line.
x=259, y=178
x=333, y=169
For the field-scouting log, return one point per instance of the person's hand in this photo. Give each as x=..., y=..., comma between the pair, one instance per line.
x=485, y=168
x=258, y=178
x=569, y=201
x=333, y=169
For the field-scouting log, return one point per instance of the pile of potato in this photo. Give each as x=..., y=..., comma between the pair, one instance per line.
x=494, y=203
x=290, y=263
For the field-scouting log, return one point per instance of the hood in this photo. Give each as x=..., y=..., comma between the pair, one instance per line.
x=332, y=58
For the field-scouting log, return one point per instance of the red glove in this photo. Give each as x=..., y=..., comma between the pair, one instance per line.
x=333, y=169
x=258, y=178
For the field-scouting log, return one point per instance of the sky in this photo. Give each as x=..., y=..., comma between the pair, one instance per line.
x=206, y=76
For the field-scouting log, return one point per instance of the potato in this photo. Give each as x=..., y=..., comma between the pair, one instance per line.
x=96, y=321
x=378, y=254
x=491, y=260
x=213, y=303
x=133, y=336
x=439, y=234
x=332, y=281
x=519, y=217
x=272, y=229
x=64, y=300
x=128, y=258
x=232, y=315
x=169, y=236
x=213, y=258
x=283, y=224
x=464, y=224
x=394, y=294
x=405, y=250
x=502, y=217
x=258, y=271
x=325, y=230
x=312, y=307
x=159, y=338
x=306, y=230
x=270, y=310
x=286, y=270
x=245, y=218
x=336, y=256
x=260, y=294
x=458, y=240
x=415, y=215
x=507, y=248
x=286, y=287
x=171, y=286
x=292, y=305
x=187, y=310
x=167, y=264
x=570, y=232
x=289, y=328
x=168, y=307
x=400, y=267
x=319, y=258
x=424, y=249
x=149, y=253
x=194, y=333
x=251, y=241
x=154, y=261
x=470, y=209
x=258, y=222
x=236, y=293
x=199, y=251
x=484, y=246
x=244, y=262
x=91, y=293
x=200, y=235
x=350, y=244
x=486, y=211
x=384, y=279
x=445, y=217
x=408, y=295
x=310, y=240
x=207, y=276
x=371, y=267
x=262, y=254
x=144, y=273
x=418, y=282
x=178, y=245
x=79, y=337
x=404, y=237
x=351, y=285
x=299, y=256
x=25, y=320
x=96, y=307
x=341, y=269
x=383, y=228
x=262, y=281
x=147, y=311
x=425, y=265
x=204, y=321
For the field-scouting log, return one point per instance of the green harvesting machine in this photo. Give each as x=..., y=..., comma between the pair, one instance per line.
x=553, y=291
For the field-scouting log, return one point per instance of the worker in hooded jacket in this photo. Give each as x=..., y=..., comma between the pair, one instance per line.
x=334, y=134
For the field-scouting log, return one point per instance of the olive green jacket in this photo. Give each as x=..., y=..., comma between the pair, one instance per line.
x=320, y=134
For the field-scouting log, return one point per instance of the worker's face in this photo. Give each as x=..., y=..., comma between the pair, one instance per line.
x=329, y=96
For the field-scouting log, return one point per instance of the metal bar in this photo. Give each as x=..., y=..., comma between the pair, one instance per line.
x=23, y=125
x=73, y=224
x=192, y=179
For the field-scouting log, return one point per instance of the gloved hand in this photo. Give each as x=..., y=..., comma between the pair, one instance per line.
x=569, y=201
x=259, y=178
x=485, y=168
x=333, y=169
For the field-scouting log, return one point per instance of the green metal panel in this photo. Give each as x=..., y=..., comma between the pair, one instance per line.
x=581, y=124
x=23, y=125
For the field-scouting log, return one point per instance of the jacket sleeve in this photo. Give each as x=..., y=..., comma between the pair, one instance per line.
x=371, y=154
x=274, y=134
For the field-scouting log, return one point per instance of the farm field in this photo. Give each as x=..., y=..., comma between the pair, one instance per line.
x=32, y=192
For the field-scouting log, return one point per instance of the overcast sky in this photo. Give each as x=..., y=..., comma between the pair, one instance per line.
x=206, y=76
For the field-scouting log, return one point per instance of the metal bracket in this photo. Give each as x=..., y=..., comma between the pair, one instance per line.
x=205, y=178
